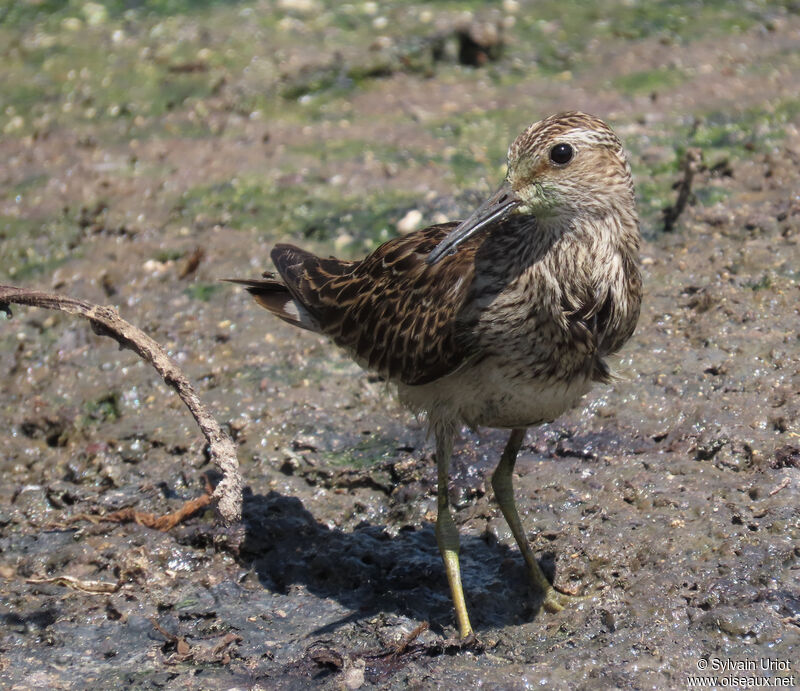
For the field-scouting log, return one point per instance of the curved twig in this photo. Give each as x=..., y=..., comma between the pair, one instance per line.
x=106, y=321
x=691, y=164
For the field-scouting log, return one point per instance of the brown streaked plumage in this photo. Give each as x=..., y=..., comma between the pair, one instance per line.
x=503, y=320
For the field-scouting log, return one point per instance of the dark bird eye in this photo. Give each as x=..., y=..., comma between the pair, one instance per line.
x=561, y=154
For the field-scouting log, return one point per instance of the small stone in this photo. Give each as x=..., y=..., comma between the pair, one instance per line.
x=498, y=532
x=342, y=241
x=302, y=6
x=72, y=24
x=409, y=222
x=95, y=13
x=155, y=267
x=14, y=124
x=354, y=675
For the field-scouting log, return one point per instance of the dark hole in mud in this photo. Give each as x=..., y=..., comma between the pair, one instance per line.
x=53, y=430
x=710, y=450
x=786, y=457
x=33, y=622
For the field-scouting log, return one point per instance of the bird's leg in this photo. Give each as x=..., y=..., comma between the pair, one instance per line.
x=504, y=492
x=446, y=530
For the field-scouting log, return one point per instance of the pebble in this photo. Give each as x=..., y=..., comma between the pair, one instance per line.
x=342, y=241
x=304, y=6
x=409, y=222
x=354, y=674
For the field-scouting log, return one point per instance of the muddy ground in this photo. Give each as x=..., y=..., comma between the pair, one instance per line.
x=136, y=135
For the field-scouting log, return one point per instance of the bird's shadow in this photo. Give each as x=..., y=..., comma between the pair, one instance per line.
x=368, y=570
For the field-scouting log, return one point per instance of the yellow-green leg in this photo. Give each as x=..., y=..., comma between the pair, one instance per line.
x=447, y=532
x=504, y=492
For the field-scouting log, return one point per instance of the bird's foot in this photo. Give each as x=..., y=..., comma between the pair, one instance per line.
x=556, y=600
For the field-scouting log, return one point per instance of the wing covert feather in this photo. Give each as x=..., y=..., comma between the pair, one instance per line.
x=394, y=313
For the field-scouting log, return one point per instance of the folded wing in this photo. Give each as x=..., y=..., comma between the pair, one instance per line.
x=392, y=311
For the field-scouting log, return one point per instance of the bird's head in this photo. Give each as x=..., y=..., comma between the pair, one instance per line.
x=560, y=169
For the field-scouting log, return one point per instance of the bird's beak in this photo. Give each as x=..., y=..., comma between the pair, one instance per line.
x=498, y=206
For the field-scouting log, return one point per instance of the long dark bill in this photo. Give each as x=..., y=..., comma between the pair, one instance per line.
x=499, y=205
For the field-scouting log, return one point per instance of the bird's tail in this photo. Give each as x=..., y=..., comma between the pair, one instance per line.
x=272, y=294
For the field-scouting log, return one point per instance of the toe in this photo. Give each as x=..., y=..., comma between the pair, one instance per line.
x=556, y=600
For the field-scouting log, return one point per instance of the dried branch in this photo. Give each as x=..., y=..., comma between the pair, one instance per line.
x=151, y=520
x=86, y=586
x=106, y=321
x=409, y=638
x=691, y=164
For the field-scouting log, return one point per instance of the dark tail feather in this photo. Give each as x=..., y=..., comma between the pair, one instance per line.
x=283, y=296
x=273, y=295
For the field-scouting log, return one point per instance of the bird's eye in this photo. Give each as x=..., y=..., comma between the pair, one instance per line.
x=561, y=154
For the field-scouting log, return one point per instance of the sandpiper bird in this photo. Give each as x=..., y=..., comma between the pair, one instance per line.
x=502, y=320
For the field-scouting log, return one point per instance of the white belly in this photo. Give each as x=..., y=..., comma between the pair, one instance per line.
x=490, y=395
